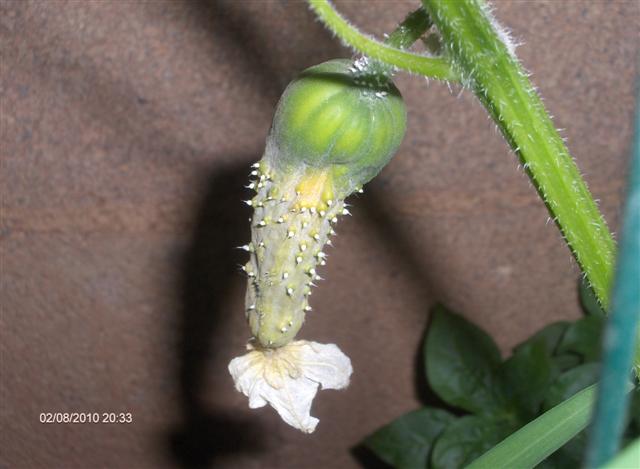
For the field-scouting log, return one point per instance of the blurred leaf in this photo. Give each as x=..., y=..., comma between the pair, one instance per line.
x=406, y=442
x=566, y=361
x=461, y=363
x=549, y=336
x=588, y=299
x=571, y=454
x=468, y=438
x=570, y=382
x=548, y=464
x=527, y=375
x=583, y=337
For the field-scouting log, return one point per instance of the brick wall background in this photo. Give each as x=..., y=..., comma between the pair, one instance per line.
x=127, y=131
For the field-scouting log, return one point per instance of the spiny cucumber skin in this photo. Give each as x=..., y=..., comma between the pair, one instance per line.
x=335, y=127
x=285, y=252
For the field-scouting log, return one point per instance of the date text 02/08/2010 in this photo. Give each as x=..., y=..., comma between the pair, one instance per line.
x=86, y=417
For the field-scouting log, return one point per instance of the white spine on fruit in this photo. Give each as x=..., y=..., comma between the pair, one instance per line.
x=286, y=243
x=289, y=228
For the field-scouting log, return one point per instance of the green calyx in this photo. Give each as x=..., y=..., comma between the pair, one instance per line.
x=338, y=116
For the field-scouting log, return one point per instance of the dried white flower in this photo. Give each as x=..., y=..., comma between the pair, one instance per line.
x=288, y=378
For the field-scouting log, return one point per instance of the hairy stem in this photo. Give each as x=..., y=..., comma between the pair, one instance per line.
x=432, y=67
x=491, y=70
x=409, y=31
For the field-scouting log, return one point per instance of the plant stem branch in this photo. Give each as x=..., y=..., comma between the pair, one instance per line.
x=432, y=67
x=409, y=31
x=474, y=44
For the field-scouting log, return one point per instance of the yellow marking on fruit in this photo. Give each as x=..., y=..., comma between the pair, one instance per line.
x=313, y=190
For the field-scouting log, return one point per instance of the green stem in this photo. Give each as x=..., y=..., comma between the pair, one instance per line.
x=409, y=31
x=498, y=80
x=432, y=67
x=538, y=439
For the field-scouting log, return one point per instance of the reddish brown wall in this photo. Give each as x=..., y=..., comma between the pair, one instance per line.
x=127, y=131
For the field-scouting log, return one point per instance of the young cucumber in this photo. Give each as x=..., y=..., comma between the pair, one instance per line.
x=336, y=126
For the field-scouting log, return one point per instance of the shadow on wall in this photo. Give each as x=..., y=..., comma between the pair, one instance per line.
x=209, y=275
x=207, y=433
x=378, y=214
x=269, y=61
x=208, y=278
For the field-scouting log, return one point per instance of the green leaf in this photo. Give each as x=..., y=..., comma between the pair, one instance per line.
x=406, y=442
x=461, y=363
x=583, y=337
x=588, y=300
x=534, y=442
x=527, y=375
x=566, y=361
x=548, y=464
x=570, y=382
x=549, y=336
x=571, y=454
x=467, y=438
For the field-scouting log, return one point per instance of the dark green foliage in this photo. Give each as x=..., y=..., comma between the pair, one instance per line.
x=462, y=363
x=570, y=382
x=495, y=397
x=406, y=442
x=467, y=438
x=583, y=338
x=549, y=336
x=527, y=375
